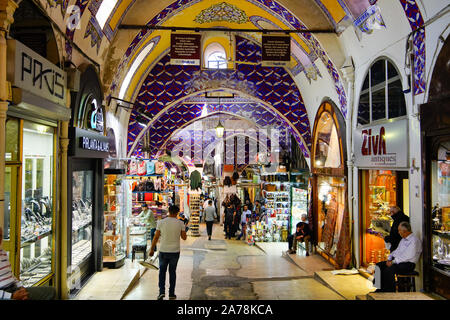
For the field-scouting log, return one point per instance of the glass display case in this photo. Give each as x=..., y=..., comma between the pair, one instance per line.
x=81, y=217
x=299, y=206
x=440, y=224
x=331, y=206
x=278, y=210
x=114, y=220
x=36, y=245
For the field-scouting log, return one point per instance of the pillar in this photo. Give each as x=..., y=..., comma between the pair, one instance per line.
x=62, y=228
x=7, y=8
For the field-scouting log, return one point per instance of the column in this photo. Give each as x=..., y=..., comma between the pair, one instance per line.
x=7, y=8
x=62, y=230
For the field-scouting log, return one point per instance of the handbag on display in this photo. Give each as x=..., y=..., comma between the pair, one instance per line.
x=159, y=167
x=141, y=186
x=142, y=168
x=150, y=167
x=149, y=185
x=157, y=184
x=132, y=167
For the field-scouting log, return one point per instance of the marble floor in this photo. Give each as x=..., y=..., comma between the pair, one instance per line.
x=220, y=269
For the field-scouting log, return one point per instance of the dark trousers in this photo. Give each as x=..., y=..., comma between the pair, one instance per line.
x=35, y=293
x=168, y=259
x=209, y=226
x=387, y=274
x=228, y=229
x=152, y=235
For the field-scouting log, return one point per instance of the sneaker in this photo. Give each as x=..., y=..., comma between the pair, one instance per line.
x=161, y=296
x=174, y=297
x=292, y=251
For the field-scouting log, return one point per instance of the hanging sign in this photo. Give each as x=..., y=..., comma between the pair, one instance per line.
x=382, y=146
x=95, y=120
x=87, y=144
x=185, y=49
x=32, y=72
x=276, y=51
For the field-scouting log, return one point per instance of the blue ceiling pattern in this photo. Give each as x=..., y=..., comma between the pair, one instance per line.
x=165, y=84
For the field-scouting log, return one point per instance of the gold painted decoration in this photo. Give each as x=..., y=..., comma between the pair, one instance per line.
x=222, y=12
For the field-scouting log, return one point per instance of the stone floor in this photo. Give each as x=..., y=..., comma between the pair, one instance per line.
x=222, y=269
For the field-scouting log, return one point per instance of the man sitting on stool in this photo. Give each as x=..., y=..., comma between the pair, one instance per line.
x=401, y=260
x=303, y=234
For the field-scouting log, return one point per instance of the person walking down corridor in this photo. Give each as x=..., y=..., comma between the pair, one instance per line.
x=229, y=220
x=246, y=215
x=210, y=215
x=170, y=230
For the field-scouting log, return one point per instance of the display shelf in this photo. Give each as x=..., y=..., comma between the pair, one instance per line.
x=146, y=175
x=443, y=234
x=35, y=239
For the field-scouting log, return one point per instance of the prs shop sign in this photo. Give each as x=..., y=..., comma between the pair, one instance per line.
x=382, y=146
x=32, y=72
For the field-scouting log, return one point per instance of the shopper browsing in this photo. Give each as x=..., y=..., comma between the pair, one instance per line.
x=246, y=214
x=11, y=288
x=148, y=218
x=210, y=215
x=170, y=230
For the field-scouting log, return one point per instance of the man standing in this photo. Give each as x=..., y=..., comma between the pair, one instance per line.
x=148, y=218
x=394, y=237
x=170, y=229
x=210, y=215
x=11, y=288
x=401, y=260
x=246, y=214
x=230, y=212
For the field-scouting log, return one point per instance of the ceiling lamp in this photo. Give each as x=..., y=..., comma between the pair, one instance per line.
x=220, y=129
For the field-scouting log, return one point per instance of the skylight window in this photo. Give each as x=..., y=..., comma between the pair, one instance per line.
x=134, y=66
x=104, y=11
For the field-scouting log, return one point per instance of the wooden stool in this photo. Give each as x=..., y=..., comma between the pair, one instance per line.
x=139, y=248
x=406, y=282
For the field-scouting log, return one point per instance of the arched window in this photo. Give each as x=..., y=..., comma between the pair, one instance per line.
x=215, y=56
x=381, y=96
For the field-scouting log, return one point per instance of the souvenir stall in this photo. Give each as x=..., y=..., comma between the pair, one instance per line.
x=148, y=182
x=331, y=223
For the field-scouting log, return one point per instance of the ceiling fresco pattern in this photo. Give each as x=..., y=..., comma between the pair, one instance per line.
x=165, y=84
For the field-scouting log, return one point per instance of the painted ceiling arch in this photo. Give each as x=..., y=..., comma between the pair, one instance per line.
x=275, y=87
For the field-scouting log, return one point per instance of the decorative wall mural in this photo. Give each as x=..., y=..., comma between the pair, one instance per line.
x=222, y=12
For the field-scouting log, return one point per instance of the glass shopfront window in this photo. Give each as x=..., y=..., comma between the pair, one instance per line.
x=327, y=153
x=440, y=175
x=37, y=202
x=331, y=207
x=381, y=190
x=82, y=196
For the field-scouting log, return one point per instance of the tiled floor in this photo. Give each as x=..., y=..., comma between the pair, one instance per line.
x=230, y=269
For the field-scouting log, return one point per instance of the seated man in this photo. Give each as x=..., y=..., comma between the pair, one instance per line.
x=11, y=288
x=401, y=260
x=302, y=234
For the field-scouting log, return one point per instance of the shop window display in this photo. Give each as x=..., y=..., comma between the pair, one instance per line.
x=331, y=208
x=82, y=191
x=327, y=144
x=37, y=197
x=441, y=211
x=380, y=193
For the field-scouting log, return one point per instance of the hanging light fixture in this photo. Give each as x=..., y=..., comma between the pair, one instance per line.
x=220, y=129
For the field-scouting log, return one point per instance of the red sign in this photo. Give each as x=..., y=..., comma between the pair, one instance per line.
x=373, y=145
x=185, y=49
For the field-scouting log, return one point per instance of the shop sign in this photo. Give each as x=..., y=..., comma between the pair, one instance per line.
x=384, y=145
x=96, y=116
x=30, y=71
x=185, y=49
x=276, y=51
x=94, y=144
x=87, y=144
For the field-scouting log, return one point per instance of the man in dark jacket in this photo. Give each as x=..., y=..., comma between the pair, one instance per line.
x=394, y=237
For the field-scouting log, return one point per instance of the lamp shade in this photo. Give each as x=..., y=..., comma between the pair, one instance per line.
x=220, y=129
